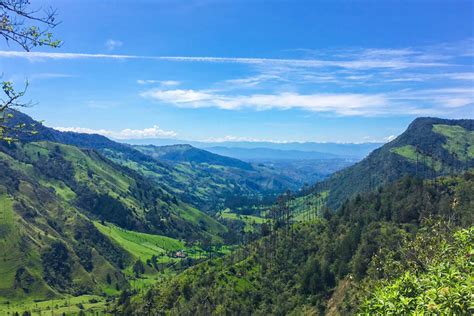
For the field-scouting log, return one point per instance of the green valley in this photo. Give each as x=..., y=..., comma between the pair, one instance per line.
x=249, y=158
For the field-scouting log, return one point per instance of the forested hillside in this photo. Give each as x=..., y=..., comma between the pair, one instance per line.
x=200, y=178
x=430, y=147
x=330, y=264
x=215, y=182
x=51, y=194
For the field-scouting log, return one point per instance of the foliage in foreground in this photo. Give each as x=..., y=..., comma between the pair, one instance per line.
x=445, y=286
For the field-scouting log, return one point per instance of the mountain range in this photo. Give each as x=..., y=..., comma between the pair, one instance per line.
x=237, y=149
x=208, y=183
x=391, y=234
x=82, y=214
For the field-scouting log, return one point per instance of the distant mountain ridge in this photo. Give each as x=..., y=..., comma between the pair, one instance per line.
x=263, y=154
x=346, y=150
x=188, y=153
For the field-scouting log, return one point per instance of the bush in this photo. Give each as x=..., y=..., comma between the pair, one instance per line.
x=445, y=288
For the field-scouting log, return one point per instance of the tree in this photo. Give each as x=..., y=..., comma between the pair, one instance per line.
x=109, y=279
x=28, y=28
x=138, y=268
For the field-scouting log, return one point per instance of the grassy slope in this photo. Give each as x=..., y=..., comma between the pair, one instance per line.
x=251, y=221
x=307, y=207
x=11, y=257
x=48, y=213
x=91, y=304
x=409, y=152
x=106, y=179
x=196, y=217
x=26, y=240
x=460, y=141
x=140, y=245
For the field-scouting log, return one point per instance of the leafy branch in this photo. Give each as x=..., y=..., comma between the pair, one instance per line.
x=14, y=25
x=28, y=28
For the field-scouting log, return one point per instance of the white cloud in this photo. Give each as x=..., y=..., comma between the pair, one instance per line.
x=310, y=63
x=48, y=75
x=151, y=132
x=48, y=55
x=438, y=98
x=231, y=138
x=461, y=76
x=169, y=83
x=112, y=44
x=144, y=82
x=405, y=102
x=345, y=104
x=163, y=83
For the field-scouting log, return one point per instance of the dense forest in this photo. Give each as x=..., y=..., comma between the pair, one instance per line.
x=376, y=240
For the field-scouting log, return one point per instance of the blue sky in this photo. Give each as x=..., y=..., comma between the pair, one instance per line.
x=344, y=71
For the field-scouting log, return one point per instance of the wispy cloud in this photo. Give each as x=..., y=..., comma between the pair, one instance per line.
x=313, y=63
x=112, y=44
x=423, y=102
x=430, y=80
x=151, y=132
x=49, y=55
x=231, y=138
x=446, y=98
x=163, y=83
x=344, y=104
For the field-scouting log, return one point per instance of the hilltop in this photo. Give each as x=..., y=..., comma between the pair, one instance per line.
x=430, y=147
x=187, y=153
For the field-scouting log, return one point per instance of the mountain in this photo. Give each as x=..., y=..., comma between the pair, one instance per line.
x=345, y=150
x=266, y=154
x=189, y=154
x=61, y=208
x=215, y=182
x=48, y=245
x=403, y=213
x=200, y=178
x=428, y=148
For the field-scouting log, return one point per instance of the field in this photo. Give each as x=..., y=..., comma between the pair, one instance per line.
x=143, y=246
x=250, y=220
x=460, y=141
x=308, y=207
x=89, y=304
x=409, y=152
x=140, y=245
x=9, y=254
